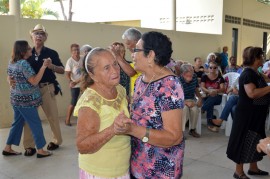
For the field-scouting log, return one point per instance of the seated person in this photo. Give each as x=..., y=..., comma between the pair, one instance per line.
x=190, y=86
x=240, y=69
x=210, y=58
x=233, y=67
x=198, y=68
x=229, y=107
x=212, y=84
x=171, y=65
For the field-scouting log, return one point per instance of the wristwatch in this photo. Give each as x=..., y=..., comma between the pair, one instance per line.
x=146, y=136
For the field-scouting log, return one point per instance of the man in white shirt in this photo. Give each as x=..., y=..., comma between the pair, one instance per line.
x=73, y=71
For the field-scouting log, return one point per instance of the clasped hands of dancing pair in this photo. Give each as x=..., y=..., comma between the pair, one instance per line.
x=122, y=124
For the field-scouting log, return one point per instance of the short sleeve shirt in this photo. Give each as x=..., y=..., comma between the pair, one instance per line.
x=200, y=72
x=214, y=84
x=224, y=59
x=149, y=102
x=229, y=69
x=37, y=61
x=24, y=94
x=189, y=88
x=250, y=76
x=113, y=158
x=75, y=67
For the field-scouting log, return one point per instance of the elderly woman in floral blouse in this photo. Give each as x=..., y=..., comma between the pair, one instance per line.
x=156, y=112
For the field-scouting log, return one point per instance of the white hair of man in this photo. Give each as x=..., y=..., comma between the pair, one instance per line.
x=186, y=67
x=132, y=34
x=86, y=48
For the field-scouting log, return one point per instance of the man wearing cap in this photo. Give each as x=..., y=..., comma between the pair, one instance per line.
x=48, y=87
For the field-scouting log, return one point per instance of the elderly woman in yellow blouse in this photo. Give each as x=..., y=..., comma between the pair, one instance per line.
x=102, y=153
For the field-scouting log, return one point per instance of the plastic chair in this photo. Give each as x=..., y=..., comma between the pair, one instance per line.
x=232, y=77
x=220, y=107
x=228, y=127
x=217, y=108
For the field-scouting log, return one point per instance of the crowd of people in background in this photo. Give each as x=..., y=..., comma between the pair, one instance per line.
x=134, y=111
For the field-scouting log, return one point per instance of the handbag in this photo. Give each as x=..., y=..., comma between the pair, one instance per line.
x=249, y=152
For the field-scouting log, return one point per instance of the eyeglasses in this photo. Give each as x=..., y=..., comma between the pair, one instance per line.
x=39, y=33
x=139, y=50
x=213, y=68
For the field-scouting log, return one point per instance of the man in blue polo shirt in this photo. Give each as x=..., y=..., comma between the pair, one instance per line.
x=190, y=86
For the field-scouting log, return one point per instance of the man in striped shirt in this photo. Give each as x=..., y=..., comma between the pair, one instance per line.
x=193, y=99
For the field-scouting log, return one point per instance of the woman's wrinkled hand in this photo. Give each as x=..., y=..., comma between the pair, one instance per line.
x=122, y=124
x=213, y=92
x=264, y=146
x=11, y=81
x=189, y=103
x=47, y=62
x=118, y=50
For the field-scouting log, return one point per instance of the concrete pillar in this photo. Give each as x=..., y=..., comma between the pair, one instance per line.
x=173, y=15
x=15, y=8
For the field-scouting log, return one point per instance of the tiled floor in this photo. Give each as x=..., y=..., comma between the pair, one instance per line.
x=205, y=158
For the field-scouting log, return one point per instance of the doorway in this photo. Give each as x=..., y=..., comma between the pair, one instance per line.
x=265, y=43
x=234, y=42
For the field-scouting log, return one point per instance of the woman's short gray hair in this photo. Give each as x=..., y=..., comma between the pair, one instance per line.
x=209, y=56
x=186, y=68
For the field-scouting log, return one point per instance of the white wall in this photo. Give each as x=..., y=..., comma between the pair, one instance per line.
x=205, y=16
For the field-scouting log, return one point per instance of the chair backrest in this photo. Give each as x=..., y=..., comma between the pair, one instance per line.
x=232, y=76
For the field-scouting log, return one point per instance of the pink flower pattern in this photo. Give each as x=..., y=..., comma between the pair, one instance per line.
x=148, y=161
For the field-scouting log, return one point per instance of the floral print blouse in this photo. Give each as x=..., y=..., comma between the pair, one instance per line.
x=149, y=101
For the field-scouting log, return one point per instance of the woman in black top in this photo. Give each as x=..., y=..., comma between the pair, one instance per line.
x=198, y=68
x=251, y=111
